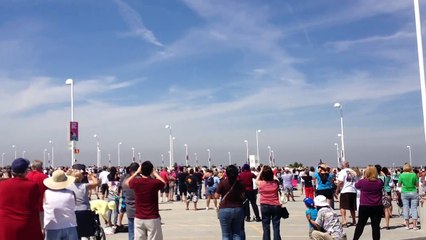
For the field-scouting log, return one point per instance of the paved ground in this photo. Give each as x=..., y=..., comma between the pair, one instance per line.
x=201, y=224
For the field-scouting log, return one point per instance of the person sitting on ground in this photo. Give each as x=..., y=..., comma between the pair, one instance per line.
x=327, y=225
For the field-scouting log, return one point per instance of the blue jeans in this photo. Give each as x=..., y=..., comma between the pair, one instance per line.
x=271, y=213
x=410, y=200
x=231, y=222
x=61, y=234
x=131, y=227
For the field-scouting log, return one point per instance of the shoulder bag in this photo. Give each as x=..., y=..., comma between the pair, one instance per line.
x=223, y=198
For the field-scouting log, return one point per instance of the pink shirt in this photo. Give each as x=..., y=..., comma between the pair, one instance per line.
x=268, y=191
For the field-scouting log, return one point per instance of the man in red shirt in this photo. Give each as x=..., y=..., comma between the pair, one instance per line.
x=165, y=176
x=36, y=175
x=147, y=218
x=246, y=178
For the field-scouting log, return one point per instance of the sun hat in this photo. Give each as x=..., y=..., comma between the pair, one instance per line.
x=20, y=165
x=309, y=202
x=58, y=180
x=320, y=201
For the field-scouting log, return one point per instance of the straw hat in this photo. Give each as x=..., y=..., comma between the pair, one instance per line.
x=58, y=180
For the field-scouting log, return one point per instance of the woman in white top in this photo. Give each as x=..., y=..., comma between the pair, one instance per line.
x=59, y=206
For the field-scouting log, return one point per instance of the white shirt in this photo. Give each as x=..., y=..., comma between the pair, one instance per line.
x=103, y=176
x=349, y=178
x=59, y=207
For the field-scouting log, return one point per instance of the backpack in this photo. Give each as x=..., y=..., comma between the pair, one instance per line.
x=210, y=181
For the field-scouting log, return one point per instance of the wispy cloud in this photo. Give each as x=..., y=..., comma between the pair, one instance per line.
x=134, y=21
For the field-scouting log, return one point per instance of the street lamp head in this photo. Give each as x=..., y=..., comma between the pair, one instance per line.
x=245, y=141
x=408, y=146
x=269, y=147
x=133, y=148
x=338, y=105
x=336, y=144
x=50, y=141
x=208, y=150
x=167, y=126
x=95, y=135
x=185, y=145
x=120, y=143
x=69, y=81
x=13, y=146
x=259, y=130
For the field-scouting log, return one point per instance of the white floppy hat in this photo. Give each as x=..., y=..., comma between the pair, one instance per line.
x=320, y=201
x=58, y=180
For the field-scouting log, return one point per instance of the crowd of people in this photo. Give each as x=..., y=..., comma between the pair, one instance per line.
x=46, y=203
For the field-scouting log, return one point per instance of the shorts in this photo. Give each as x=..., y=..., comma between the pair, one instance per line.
x=182, y=189
x=123, y=209
x=166, y=189
x=104, y=189
x=210, y=191
x=192, y=196
x=288, y=189
x=348, y=201
x=327, y=193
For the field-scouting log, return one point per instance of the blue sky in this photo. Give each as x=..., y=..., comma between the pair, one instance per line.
x=215, y=71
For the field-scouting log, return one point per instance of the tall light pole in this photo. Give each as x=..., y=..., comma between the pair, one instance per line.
x=210, y=159
x=109, y=159
x=196, y=159
x=270, y=155
x=14, y=149
x=53, y=152
x=71, y=83
x=421, y=62
x=257, y=145
x=273, y=158
x=118, y=154
x=409, y=154
x=247, y=152
x=23, y=154
x=186, y=154
x=98, y=151
x=162, y=160
x=2, y=159
x=229, y=158
x=337, y=151
x=48, y=159
x=343, y=155
x=44, y=157
x=139, y=156
x=170, y=145
x=133, y=154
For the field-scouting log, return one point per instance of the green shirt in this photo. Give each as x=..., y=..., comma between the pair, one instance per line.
x=408, y=180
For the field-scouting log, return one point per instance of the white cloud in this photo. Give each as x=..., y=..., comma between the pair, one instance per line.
x=134, y=20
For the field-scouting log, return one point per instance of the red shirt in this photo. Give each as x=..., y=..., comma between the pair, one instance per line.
x=164, y=175
x=38, y=177
x=246, y=178
x=146, y=197
x=19, y=215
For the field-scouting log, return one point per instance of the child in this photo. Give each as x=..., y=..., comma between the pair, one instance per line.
x=311, y=213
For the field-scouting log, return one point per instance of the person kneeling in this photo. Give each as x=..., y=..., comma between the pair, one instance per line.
x=327, y=225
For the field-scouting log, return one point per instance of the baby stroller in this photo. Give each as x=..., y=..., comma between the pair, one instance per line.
x=99, y=231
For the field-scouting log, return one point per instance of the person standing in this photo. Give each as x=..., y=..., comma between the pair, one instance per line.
x=231, y=212
x=36, y=175
x=288, y=178
x=146, y=187
x=59, y=203
x=103, y=177
x=270, y=204
x=19, y=206
x=346, y=180
x=410, y=198
x=370, y=205
x=129, y=196
x=309, y=187
x=246, y=178
x=211, y=182
x=324, y=182
x=181, y=177
x=192, y=188
x=165, y=191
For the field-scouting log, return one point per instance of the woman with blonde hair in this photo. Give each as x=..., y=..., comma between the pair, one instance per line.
x=370, y=202
x=409, y=182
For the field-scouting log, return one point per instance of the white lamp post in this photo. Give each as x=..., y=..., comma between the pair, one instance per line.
x=14, y=149
x=109, y=159
x=229, y=157
x=343, y=155
x=409, y=154
x=247, y=151
x=2, y=159
x=196, y=159
x=273, y=157
x=48, y=159
x=139, y=156
x=337, y=150
x=421, y=62
x=71, y=83
x=257, y=145
x=170, y=145
x=98, y=151
x=23, y=154
x=162, y=160
x=270, y=155
x=210, y=158
x=44, y=157
x=118, y=154
x=133, y=154
x=186, y=154
x=53, y=153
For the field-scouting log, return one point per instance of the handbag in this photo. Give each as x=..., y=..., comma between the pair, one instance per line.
x=218, y=206
x=284, y=212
